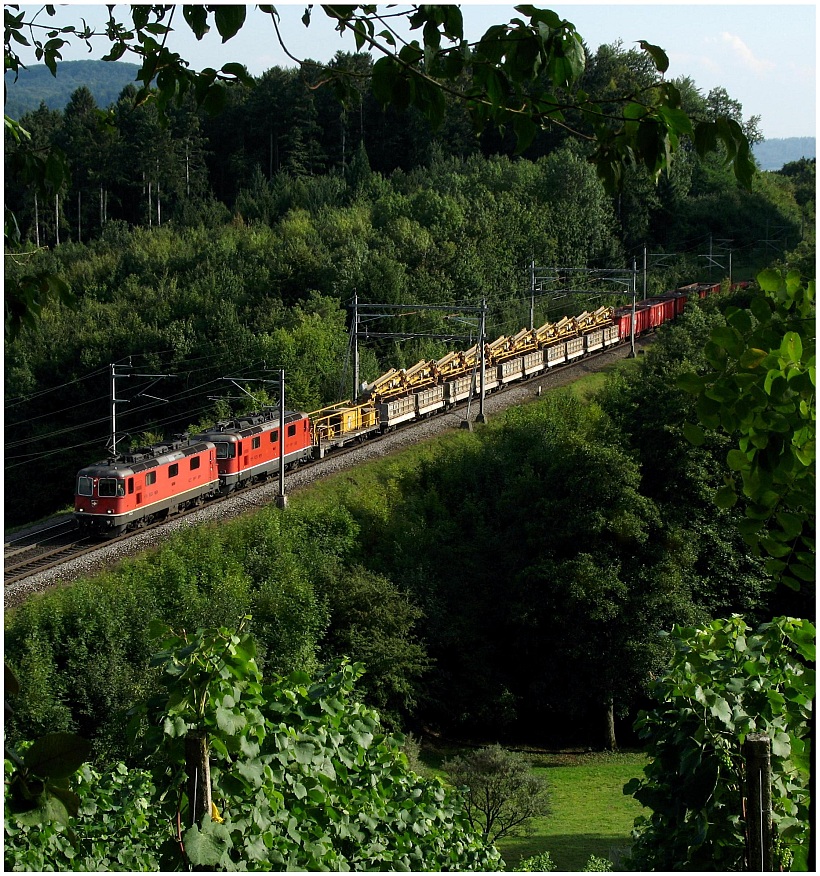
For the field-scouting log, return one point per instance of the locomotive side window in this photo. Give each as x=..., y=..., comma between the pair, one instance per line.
x=195, y=461
x=274, y=436
x=173, y=470
x=255, y=442
x=150, y=478
x=85, y=486
x=291, y=431
x=130, y=486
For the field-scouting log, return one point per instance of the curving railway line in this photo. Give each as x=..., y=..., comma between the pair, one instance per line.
x=39, y=559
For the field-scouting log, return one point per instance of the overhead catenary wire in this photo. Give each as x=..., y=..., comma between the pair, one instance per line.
x=18, y=460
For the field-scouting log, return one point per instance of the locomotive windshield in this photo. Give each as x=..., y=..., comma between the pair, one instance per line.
x=85, y=486
x=111, y=487
x=225, y=450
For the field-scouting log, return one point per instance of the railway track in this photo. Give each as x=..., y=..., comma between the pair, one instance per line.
x=49, y=549
x=44, y=549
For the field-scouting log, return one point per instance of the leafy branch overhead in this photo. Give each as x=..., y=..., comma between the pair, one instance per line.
x=523, y=75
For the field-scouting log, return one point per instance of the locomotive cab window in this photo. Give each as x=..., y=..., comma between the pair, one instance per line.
x=111, y=487
x=274, y=436
x=195, y=461
x=225, y=450
x=255, y=443
x=85, y=486
x=150, y=478
x=173, y=470
x=291, y=431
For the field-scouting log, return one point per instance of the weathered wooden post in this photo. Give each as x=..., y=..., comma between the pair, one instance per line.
x=757, y=753
x=198, y=772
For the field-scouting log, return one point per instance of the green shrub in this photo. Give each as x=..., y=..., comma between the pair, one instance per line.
x=541, y=863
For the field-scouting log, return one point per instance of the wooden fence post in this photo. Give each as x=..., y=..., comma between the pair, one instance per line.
x=198, y=770
x=757, y=753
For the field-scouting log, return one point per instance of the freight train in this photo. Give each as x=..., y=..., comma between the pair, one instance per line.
x=154, y=482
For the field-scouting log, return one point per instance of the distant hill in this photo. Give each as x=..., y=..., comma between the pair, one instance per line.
x=104, y=79
x=773, y=154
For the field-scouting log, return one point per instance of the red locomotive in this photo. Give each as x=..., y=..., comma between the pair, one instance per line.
x=145, y=485
x=247, y=448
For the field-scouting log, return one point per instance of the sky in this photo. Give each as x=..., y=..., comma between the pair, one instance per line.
x=763, y=54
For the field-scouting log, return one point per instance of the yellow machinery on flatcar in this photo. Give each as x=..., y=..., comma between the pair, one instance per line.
x=337, y=424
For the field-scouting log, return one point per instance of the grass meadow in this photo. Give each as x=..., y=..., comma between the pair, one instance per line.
x=589, y=813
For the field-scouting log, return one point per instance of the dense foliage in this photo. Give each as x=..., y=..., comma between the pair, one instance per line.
x=82, y=653
x=760, y=388
x=302, y=778
x=725, y=681
x=118, y=826
x=617, y=536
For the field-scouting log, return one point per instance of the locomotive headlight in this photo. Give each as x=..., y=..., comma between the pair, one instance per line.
x=109, y=511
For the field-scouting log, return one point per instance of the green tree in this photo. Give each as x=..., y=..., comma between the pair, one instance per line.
x=760, y=388
x=720, y=105
x=83, y=140
x=375, y=624
x=502, y=793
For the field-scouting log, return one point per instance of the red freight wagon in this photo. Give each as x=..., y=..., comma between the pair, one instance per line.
x=648, y=316
x=643, y=318
x=144, y=485
x=247, y=448
x=663, y=310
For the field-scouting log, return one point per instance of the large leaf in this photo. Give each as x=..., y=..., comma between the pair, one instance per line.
x=57, y=755
x=205, y=847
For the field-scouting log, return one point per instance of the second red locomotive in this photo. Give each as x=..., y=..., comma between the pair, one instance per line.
x=247, y=448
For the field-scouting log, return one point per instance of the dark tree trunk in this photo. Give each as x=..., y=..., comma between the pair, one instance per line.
x=611, y=741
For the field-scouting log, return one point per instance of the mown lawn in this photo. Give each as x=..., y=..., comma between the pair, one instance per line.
x=589, y=815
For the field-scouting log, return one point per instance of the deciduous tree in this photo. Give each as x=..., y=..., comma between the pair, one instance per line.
x=502, y=793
